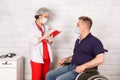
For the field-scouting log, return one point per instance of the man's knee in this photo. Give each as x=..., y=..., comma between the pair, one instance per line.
x=49, y=75
x=59, y=78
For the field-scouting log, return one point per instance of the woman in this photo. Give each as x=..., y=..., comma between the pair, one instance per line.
x=39, y=48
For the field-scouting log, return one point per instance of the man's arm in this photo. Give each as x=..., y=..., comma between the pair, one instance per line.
x=65, y=60
x=99, y=59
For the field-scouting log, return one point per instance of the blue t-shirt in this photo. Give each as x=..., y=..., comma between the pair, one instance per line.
x=86, y=50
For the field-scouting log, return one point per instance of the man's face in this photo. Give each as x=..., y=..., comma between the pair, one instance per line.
x=80, y=25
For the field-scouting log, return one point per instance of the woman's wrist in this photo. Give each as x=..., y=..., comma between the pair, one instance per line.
x=50, y=41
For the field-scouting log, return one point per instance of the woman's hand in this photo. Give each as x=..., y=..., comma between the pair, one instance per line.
x=39, y=39
x=49, y=38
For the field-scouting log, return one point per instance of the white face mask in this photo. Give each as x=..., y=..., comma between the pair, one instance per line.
x=77, y=31
x=43, y=20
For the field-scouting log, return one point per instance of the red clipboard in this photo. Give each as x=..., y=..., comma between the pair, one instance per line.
x=55, y=33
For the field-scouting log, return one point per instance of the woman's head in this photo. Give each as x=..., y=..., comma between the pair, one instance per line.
x=42, y=14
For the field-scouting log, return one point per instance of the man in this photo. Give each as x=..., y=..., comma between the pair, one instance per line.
x=88, y=53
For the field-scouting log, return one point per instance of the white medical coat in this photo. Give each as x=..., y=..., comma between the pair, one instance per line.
x=36, y=47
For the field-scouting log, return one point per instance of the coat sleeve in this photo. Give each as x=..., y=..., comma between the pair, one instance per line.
x=33, y=38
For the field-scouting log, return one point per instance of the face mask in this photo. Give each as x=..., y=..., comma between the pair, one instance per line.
x=77, y=31
x=43, y=20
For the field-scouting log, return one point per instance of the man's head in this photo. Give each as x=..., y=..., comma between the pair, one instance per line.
x=84, y=24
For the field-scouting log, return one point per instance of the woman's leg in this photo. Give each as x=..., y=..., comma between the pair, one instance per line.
x=36, y=70
x=45, y=69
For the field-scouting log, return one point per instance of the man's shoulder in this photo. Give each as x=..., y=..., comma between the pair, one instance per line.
x=95, y=39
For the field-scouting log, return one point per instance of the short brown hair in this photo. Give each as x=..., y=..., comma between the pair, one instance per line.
x=87, y=20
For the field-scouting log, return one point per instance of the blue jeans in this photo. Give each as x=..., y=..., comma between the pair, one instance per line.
x=62, y=73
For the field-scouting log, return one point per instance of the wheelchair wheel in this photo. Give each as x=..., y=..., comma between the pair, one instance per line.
x=97, y=77
x=87, y=74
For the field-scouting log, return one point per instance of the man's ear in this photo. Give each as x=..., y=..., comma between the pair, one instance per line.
x=85, y=25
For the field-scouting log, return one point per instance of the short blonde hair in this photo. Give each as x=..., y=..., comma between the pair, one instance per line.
x=87, y=20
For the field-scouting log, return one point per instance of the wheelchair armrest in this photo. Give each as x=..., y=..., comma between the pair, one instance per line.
x=105, y=50
x=66, y=63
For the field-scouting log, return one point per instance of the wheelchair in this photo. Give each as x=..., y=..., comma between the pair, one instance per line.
x=91, y=74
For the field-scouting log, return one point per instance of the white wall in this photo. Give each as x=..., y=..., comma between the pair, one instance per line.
x=15, y=15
